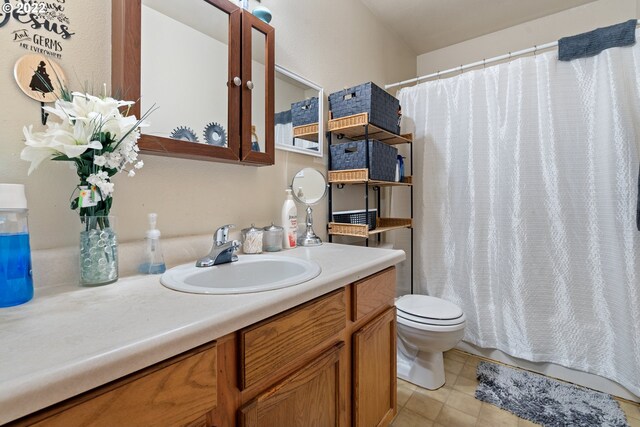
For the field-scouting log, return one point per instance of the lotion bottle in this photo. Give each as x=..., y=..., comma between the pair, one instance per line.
x=290, y=221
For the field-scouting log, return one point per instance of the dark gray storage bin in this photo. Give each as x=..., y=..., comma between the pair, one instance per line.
x=304, y=112
x=357, y=217
x=352, y=155
x=367, y=98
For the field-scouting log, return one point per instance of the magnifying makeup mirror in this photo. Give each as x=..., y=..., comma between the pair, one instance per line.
x=309, y=186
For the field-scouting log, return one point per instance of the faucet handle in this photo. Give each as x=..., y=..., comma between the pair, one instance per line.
x=222, y=234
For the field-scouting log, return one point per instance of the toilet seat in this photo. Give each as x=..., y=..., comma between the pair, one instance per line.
x=428, y=311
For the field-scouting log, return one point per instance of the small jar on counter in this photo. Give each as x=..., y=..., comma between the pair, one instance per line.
x=252, y=240
x=273, y=236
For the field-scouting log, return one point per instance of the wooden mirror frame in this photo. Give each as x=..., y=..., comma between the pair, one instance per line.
x=249, y=23
x=126, y=20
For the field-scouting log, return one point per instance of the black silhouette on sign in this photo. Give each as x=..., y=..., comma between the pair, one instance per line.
x=40, y=81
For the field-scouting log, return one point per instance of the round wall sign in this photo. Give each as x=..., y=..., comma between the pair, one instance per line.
x=39, y=77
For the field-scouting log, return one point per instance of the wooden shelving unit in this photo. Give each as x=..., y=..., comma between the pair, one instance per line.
x=361, y=176
x=362, y=230
x=308, y=132
x=353, y=127
x=357, y=127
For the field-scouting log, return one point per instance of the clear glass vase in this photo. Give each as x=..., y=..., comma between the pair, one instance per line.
x=98, y=251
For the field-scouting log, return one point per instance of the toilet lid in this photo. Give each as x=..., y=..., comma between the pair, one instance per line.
x=429, y=310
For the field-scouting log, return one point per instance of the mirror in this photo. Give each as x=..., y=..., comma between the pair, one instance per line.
x=193, y=105
x=258, y=78
x=309, y=186
x=298, y=102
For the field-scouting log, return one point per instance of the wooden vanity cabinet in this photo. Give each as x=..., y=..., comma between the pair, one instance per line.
x=328, y=362
x=374, y=371
x=181, y=391
x=312, y=396
x=241, y=59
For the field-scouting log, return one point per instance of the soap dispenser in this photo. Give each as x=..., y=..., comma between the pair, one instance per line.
x=153, y=262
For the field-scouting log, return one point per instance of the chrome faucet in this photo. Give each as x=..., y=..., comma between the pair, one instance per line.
x=223, y=250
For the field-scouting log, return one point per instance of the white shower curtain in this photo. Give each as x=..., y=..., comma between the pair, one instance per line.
x=526, y=190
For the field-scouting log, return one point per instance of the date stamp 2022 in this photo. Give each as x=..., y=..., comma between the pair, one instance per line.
x=27, y=8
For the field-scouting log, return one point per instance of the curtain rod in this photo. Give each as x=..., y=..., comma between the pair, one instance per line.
x=475, y=64
x=461, y=68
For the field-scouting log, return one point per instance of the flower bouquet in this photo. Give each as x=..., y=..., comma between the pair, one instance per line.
x=100, y=138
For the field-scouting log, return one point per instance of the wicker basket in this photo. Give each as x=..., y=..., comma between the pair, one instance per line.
x=382, y=107
x=352, y=155
x=357, y=217
x=354, y=230
x=349, y=175
x=304, y=112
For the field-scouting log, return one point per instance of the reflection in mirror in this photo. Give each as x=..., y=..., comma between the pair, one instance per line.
x=257, y=86
x=174, y=36
x=309, y=187
x=296, y=95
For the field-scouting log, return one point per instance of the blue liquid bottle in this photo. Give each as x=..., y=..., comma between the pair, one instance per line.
x=16, y=284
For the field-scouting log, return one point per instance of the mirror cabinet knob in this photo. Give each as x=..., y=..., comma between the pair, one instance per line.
x=250, y=85
x=237, y=81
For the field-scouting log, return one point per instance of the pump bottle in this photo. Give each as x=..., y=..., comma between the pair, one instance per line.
x=153, y=262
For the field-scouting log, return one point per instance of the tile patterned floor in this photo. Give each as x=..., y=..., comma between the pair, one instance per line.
x=454, y=404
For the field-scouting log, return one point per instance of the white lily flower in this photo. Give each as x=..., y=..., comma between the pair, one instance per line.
x=106, y=188
x=38, y=148
x=88, y=122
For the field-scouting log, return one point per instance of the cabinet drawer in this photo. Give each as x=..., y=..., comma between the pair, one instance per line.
x=273, y=343
x=177, y=392
x=372, y=293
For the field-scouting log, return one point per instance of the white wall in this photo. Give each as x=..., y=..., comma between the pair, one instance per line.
x=335, y=43
x=194, y=101
x=600, y=13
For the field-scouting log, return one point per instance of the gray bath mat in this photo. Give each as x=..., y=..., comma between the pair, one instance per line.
x=546, y=401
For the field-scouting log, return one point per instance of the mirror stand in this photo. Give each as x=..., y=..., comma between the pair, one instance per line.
x=309, y=186
x=309, y=238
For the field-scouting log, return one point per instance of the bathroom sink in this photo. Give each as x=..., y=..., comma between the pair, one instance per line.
x=251, y=273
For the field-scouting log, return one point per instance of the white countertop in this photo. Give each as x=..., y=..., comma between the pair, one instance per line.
x=71, y=339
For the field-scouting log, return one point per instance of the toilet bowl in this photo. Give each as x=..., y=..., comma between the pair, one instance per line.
x=427, y=326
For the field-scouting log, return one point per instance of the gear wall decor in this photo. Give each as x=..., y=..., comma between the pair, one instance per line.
x=184, y=133
x=214, y=134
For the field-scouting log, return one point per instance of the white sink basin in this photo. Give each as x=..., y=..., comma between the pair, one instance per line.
x=251, y=273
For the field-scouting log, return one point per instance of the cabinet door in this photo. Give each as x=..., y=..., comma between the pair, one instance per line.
x=374, y=371
x=184, y=58
x=311, y=397
x=258, y=75
x=179, y=392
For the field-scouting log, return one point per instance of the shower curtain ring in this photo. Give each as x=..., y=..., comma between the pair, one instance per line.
x=484, y=63
x=535, y=49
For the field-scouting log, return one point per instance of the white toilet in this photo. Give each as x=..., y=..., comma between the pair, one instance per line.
x=427, y=326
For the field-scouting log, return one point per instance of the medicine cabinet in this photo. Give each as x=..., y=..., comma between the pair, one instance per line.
x=207, y=66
